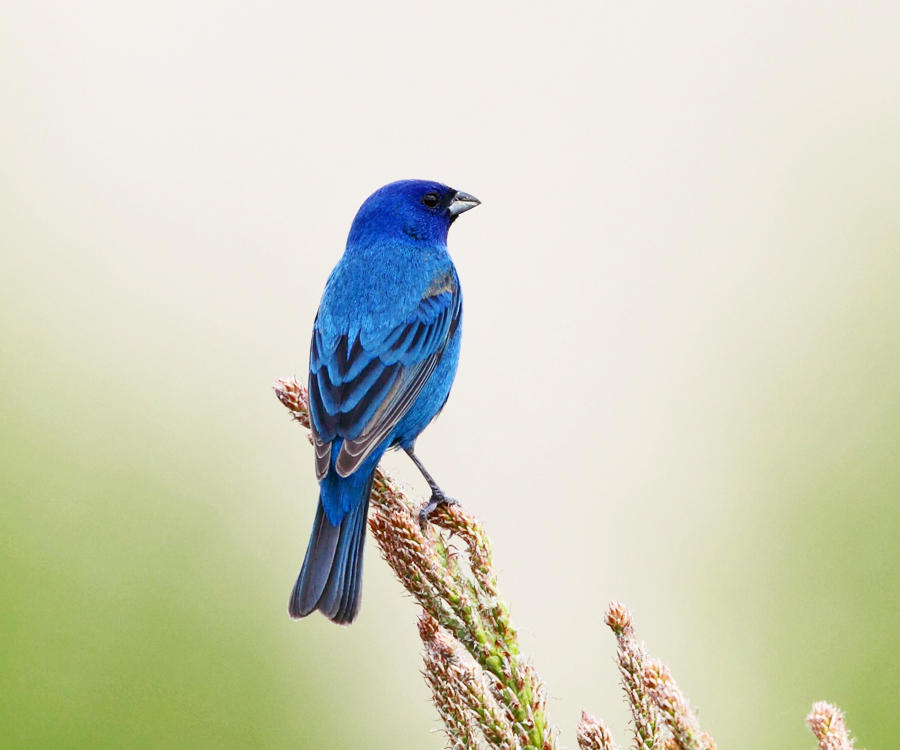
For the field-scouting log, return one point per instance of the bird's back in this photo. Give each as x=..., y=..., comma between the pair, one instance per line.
x=375, y=288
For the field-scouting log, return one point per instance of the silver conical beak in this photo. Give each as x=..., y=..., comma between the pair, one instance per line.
x=462, y=202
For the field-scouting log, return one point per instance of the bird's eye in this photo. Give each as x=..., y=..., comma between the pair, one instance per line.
x=430, y=199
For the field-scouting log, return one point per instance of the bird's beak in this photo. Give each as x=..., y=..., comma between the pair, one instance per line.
x=462, y=202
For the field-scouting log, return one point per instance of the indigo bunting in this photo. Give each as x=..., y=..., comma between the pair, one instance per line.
x=383, y=356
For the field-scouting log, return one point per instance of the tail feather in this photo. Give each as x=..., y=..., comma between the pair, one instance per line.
x=352, y=583
x=316, y=566
x=331, y=576
x=329, y=603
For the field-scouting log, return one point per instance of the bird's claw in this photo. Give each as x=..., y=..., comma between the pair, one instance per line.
x=432, y=505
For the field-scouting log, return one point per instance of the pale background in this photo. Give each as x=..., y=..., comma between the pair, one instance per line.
x=679, y=378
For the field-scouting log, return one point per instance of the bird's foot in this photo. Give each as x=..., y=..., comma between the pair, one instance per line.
x=437, y=499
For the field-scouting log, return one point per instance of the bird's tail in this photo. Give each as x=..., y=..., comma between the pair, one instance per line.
x=331, y=577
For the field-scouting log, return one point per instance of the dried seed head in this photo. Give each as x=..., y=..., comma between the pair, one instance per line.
x=293, y=395
x=671, y=702
x=499, y=696
x=618, y=618
x=593, y=734
x=827, y=722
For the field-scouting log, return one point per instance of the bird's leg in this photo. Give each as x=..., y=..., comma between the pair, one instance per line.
x=437, y=494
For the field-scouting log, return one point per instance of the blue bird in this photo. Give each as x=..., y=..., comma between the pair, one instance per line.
x=383, y=357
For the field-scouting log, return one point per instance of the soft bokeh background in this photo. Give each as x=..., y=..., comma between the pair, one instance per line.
x=679, y=383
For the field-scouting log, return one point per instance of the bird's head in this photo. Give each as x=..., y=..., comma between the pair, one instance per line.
x=417, y=210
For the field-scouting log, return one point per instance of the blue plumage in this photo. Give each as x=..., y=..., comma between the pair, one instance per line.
x=383, y=356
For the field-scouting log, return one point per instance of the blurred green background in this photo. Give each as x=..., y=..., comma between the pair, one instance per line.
x=681, y=301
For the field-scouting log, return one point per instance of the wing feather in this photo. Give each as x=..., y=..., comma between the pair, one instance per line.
x=360, y=386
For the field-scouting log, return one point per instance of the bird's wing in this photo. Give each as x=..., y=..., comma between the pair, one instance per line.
x=359, y=392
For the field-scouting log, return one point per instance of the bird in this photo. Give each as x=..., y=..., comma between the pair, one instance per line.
x=383, y=357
